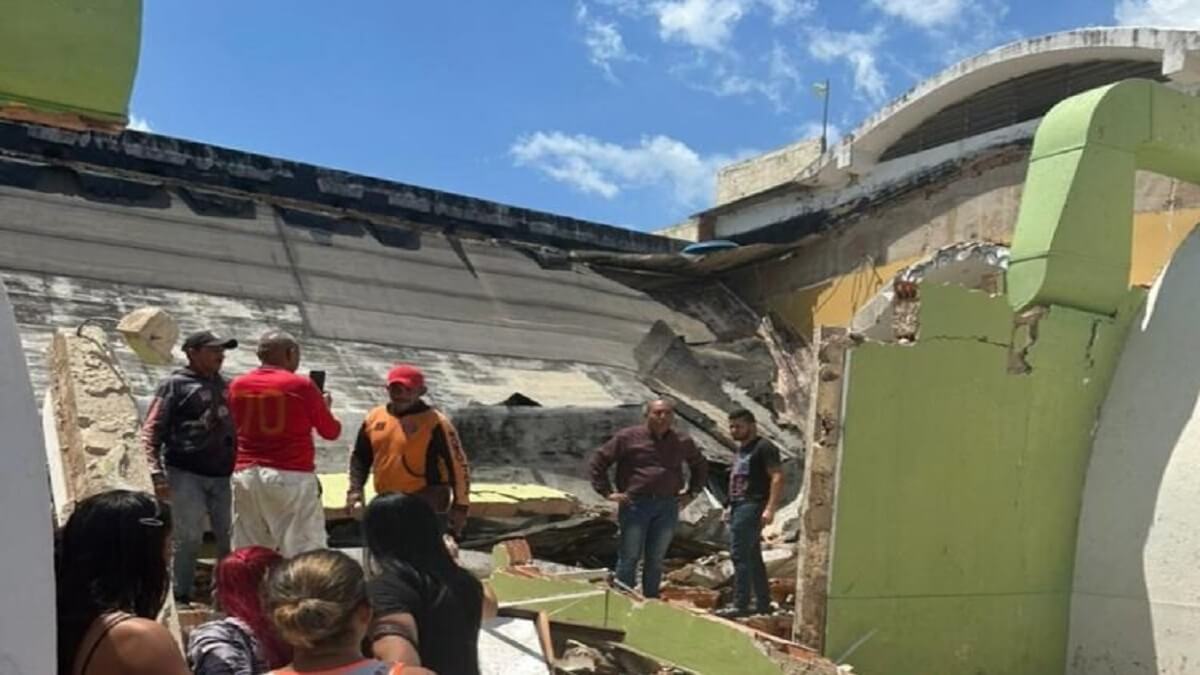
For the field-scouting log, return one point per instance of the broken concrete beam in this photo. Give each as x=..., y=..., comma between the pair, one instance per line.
x=663, y=356
x=820, y=487
x=95, y=415
x=151, y=333
x=793, y=383
x=488, y=500
x=501, y=500
x=96, y=424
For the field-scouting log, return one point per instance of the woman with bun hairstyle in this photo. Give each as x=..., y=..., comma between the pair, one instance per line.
x=318, y=604
x=244, y=641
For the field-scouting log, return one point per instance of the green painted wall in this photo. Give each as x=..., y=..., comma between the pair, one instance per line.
x=1073, y=240
x=76, y=56
x=960, y=486
x=672, y=634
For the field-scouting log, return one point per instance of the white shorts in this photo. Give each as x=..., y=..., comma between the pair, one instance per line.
x=277, y=509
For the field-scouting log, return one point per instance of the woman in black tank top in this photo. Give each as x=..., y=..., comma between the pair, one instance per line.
x=424, y=603
x=112, y=581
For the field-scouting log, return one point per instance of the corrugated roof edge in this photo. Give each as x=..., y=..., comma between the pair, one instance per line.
x=198, y=165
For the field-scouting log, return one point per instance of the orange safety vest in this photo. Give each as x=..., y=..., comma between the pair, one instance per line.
x=406, y=460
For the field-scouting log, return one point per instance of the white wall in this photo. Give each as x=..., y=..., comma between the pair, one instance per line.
x=1136, y=602
x=27, y=629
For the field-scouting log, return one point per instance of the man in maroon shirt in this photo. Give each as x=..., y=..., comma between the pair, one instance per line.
x=276, y=495
x=650, y=489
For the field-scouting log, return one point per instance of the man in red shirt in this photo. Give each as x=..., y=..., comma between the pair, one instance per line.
x=276, y=495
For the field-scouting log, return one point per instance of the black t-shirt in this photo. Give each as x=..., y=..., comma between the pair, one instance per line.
x=447, y=613
x=749, y=480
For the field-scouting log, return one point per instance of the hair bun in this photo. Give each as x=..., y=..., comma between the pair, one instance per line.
x=307, y=621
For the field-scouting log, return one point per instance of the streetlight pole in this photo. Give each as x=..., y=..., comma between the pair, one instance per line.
x=825, y=118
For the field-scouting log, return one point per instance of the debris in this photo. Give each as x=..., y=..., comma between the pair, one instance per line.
x=151, y=333
x=492, y=500
x=701, y=598
x=660, y=636
x=715, y=571
x=488, y=500
x=581, y=659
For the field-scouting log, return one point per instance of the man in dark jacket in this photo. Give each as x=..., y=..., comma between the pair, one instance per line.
x=650, y=489
x=190, y=444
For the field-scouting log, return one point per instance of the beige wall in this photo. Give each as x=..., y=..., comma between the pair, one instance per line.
x=765, y=171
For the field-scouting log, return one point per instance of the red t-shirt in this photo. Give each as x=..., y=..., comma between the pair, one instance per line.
x=276, y=412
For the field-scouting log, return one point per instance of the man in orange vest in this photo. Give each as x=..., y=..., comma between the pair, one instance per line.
x=412, y=448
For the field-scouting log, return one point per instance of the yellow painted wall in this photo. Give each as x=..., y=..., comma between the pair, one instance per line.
x=1155, y=238
x=1156, y=235
x=835, y=302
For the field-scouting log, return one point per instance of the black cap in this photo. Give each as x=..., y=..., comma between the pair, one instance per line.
x=206, y=338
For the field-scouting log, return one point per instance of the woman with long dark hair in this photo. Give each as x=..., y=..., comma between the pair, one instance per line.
x=243, y=642
x=112, y=581
x=428, y=609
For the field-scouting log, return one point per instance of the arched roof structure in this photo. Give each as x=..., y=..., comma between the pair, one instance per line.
x=1010, y=84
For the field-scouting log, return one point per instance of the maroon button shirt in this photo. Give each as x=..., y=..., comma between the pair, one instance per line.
x=648, y=466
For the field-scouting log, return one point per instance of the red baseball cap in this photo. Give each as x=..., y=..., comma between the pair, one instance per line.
x=409, y=376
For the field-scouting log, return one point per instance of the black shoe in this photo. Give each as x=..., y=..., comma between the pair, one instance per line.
x=732, y=612
x=769, y=609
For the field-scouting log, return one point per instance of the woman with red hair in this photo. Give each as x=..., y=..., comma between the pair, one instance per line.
x=244, y=642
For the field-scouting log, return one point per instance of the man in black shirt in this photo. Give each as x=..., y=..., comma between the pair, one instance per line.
x=190, y=442
x=755, y=482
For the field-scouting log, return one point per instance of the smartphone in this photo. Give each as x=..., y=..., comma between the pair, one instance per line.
x=318, y=378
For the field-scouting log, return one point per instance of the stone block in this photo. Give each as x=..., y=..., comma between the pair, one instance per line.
x=151, y=333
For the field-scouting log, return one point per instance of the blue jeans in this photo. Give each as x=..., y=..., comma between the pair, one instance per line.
x=193, y=496
x=745, y=547
x=647, y=525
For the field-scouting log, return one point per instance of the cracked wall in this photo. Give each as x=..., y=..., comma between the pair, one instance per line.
x=859, y=248
x=959, y=487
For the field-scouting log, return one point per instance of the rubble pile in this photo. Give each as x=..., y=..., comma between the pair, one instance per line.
x=593, y=627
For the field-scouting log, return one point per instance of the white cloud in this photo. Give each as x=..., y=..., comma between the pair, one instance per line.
x=812, y=129
x=604, y=42
x=1159, y=13
x=777, y=84
x=707, y=24
x=607, y=169
x=783, y=11
x=923, y=13
x=858, y=50
x=139, y=124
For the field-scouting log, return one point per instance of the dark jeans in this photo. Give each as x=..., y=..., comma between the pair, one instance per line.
x=745, y=547
x=647, y=526
x=192, y=497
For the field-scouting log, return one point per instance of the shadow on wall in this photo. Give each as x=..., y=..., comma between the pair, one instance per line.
x=1133, y=606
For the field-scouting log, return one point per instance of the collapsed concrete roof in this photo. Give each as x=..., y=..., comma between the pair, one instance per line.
x=365, y=272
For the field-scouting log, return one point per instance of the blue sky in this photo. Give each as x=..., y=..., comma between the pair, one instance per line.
x=611, y=110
